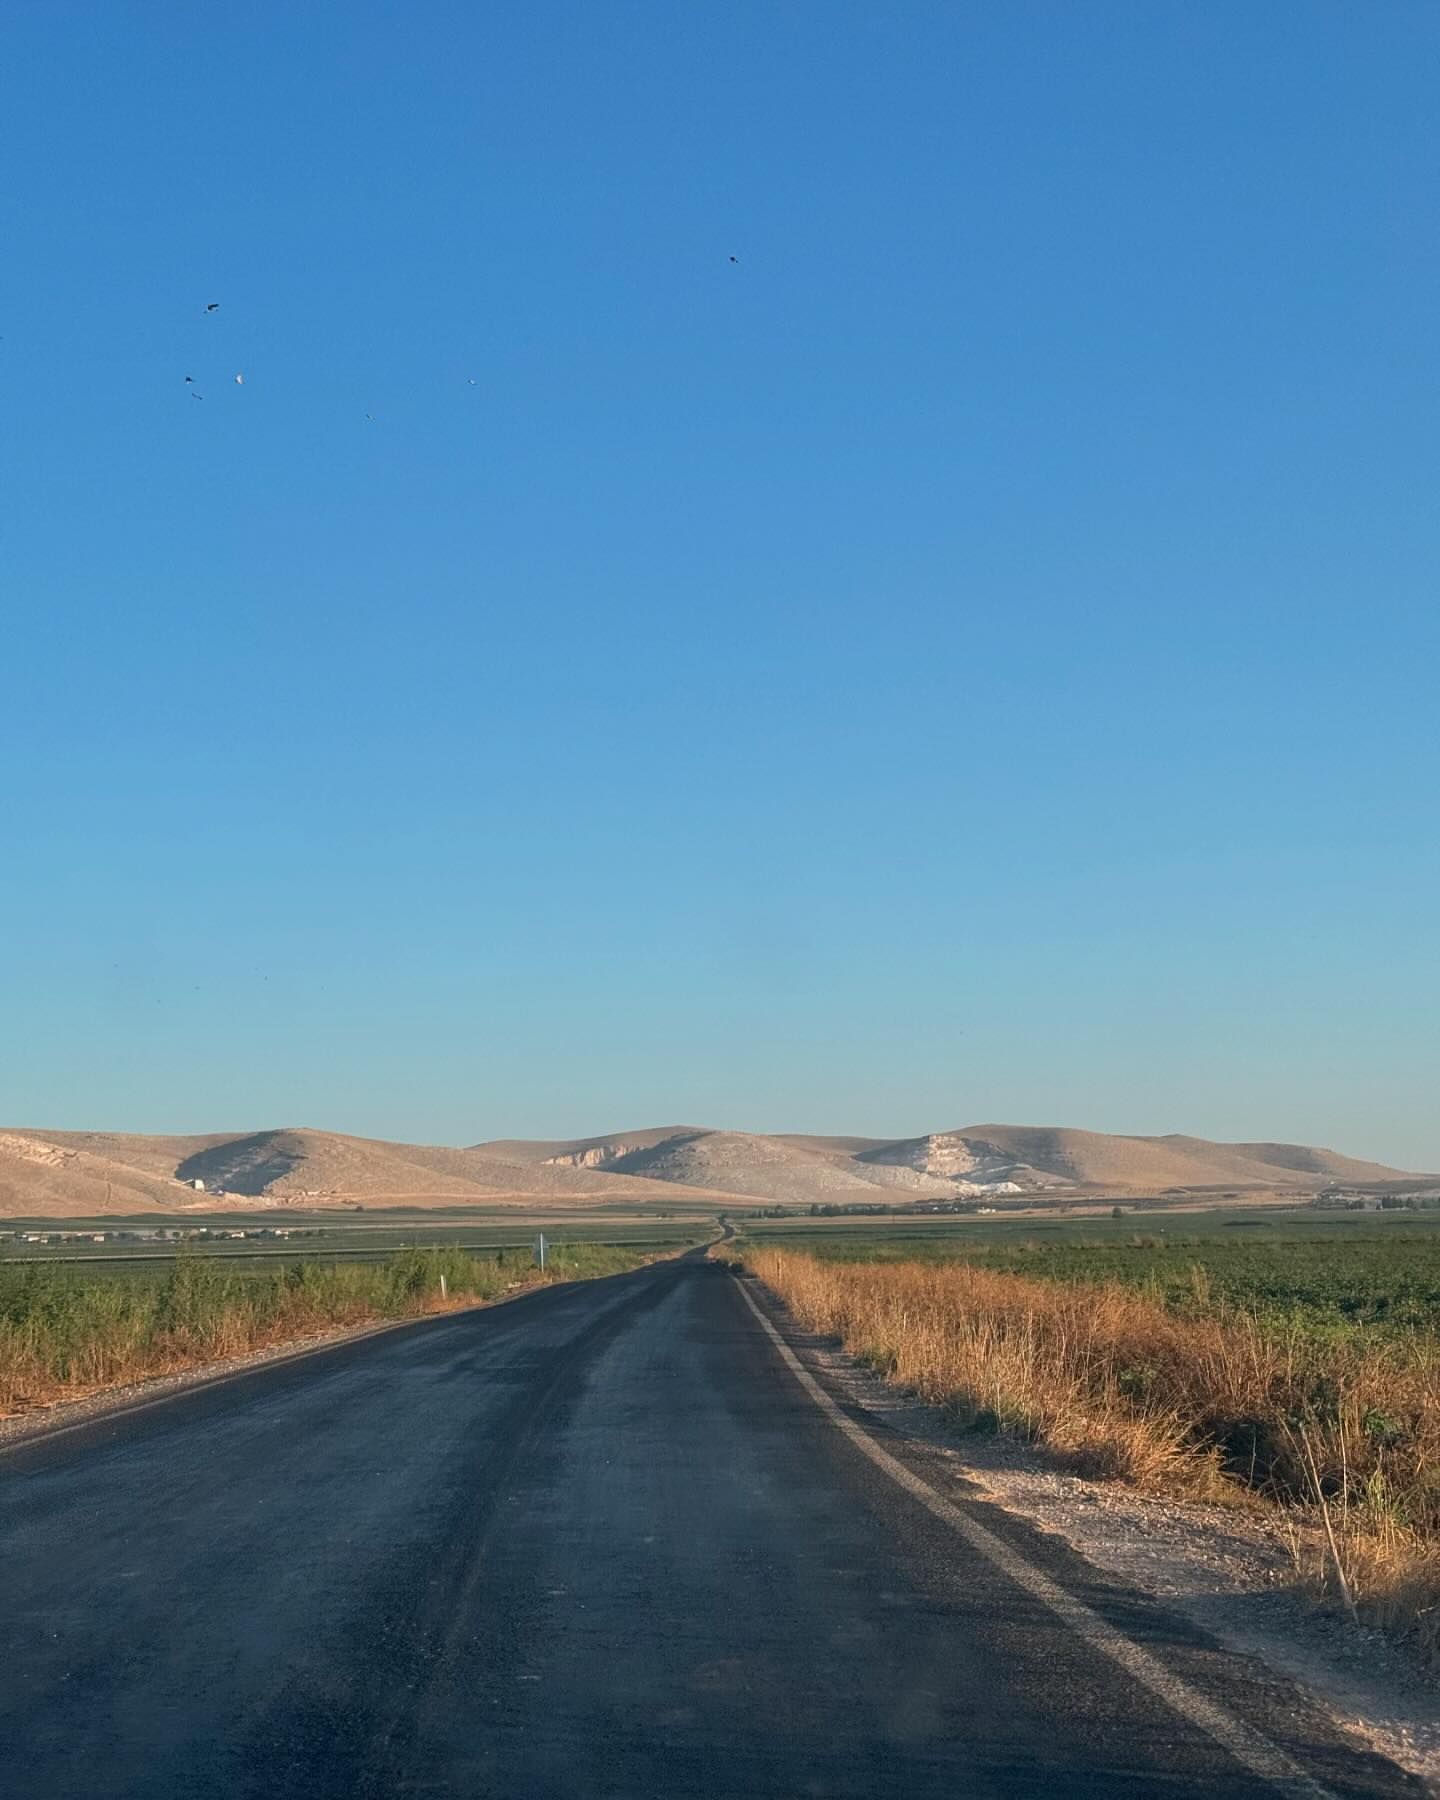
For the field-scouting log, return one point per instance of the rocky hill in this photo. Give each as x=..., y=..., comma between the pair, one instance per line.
x=41, y=1178
x=791, y=1168
x=79, y=1173
x=76, y=1174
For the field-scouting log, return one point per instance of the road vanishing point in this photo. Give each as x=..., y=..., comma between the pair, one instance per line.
x=613, y=1538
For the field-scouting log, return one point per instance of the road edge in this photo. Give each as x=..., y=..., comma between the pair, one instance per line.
x=1250, y=1748
x=122, y=1402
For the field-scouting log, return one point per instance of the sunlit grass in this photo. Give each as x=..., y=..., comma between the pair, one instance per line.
x=1200, y=1399
x=1386, y=1281
x=64, y=1333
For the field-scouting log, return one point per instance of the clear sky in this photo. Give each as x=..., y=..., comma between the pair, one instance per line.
x=974, y=657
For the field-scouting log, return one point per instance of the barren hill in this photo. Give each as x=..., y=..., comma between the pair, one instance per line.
x=154, y=1155
x=844, y=1146
x=1303, y=1160
x=296, y=1162
x=585, y=1153
x=497, y=1177
x=736, y=1162
x=75, y=1173
x=1050, y=1155
x=790, y=1170
x=56, y=1174
x=793, y=1169
x=43, y=1178
x=301, y=1163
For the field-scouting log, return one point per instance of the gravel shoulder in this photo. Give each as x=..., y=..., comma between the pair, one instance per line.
x=1228, y=1569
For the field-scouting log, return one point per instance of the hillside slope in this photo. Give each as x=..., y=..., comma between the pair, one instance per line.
x=78, y=1173
x=55, y=1174
x=585, y=1153
x=794, y=1169
x=302, y=1163
x=1307, y=1161
x=786, y=1170
x=41, y=1178
x=154, y=1155
x=1046, y=1155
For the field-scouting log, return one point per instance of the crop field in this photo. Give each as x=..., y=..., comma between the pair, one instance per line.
x=1296, y=1365
x=331, y=1241
x=67, y=1331
x=1314, y=1271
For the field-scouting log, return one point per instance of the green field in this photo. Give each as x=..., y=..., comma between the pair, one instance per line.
x=326, y=1239
x=1331, y=1272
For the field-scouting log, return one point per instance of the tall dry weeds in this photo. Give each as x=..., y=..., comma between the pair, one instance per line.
x=65, y=1333
x=1123, y=1389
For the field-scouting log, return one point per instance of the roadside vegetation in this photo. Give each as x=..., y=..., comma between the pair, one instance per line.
x=1306, y=1376
x=65, y=1333
x=1385, y=1280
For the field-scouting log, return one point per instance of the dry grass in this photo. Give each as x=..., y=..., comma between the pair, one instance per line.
x=65, y=1334
x=1122, y=1389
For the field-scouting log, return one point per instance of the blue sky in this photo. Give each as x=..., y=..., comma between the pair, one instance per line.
x=972, y=658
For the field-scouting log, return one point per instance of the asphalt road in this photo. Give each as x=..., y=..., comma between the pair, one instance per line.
x=598, y=1542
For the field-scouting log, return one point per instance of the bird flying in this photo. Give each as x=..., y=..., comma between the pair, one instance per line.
x=214, y=306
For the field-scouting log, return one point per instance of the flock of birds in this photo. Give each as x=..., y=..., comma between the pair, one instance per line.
x=213, y=306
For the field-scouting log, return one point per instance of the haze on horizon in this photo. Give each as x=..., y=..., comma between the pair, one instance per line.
x=813, y=571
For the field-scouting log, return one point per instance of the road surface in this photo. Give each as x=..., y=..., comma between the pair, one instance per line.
x=601, y=1541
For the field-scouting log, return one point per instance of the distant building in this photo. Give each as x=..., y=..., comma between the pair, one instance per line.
x=198, y=1185
x=1336, y=1197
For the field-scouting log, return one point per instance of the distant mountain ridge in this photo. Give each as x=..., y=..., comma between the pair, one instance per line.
x=1059, y=1156
x=83, y=1173
x=975, y=1158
